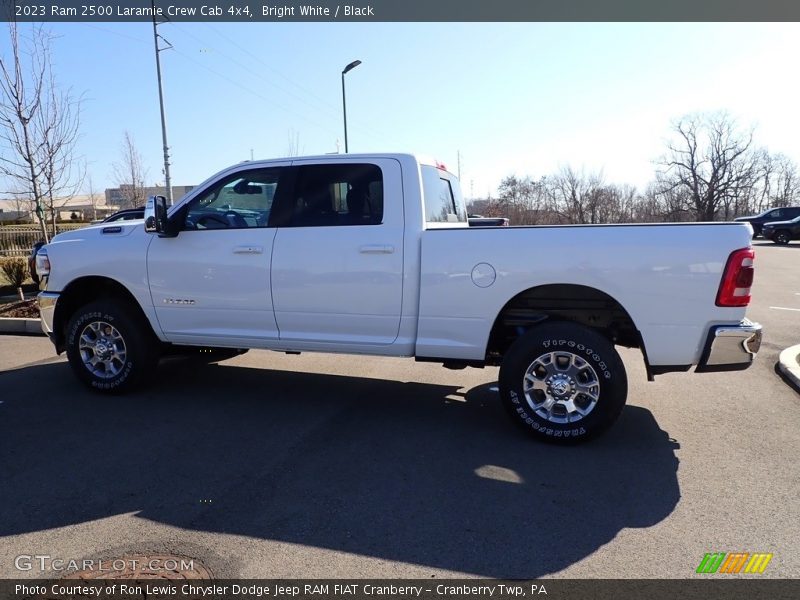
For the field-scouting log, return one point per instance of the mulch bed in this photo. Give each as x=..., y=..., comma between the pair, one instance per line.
x=25, y=310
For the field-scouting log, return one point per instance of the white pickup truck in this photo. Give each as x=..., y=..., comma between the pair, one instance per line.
x=372, y=254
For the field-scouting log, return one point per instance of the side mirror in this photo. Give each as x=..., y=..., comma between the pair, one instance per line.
x=155, y=216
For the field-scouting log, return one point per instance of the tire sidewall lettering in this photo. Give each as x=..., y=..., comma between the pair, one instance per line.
x=77, y=328
x=590, y=352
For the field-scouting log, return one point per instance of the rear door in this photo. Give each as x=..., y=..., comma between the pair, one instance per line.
x=337, y=264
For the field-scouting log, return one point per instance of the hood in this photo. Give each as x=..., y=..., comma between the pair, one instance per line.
x=780, y=223
x=101, y=230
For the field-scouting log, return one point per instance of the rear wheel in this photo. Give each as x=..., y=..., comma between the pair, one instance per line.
x=563, y=383
x=781, y=237
x=110, y=346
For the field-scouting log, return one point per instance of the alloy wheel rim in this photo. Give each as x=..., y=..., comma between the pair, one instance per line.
x=561, y=387
x=102, y=349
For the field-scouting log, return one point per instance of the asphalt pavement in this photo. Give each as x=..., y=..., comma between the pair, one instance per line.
x=322, y=466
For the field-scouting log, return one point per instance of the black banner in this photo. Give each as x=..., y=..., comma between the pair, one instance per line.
x=398, y=10
x=715, y=588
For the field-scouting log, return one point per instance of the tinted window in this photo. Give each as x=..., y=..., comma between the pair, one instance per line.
x=442, y=198
x=239, y=201
x=775, y=213
x=332, y=195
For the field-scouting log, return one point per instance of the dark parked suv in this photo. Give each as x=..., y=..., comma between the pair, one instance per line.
x=785, y=213
x=782, y=232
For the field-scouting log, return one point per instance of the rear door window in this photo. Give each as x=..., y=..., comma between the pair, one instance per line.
x=337, y=195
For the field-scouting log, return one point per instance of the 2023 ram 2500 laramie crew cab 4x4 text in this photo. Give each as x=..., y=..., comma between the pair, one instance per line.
x=372, y=254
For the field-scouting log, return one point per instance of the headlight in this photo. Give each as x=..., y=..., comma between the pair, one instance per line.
x=42, y=263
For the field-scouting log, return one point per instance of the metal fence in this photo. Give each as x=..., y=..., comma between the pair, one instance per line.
x=17, y=240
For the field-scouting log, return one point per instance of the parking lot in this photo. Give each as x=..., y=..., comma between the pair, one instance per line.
x=320, y=466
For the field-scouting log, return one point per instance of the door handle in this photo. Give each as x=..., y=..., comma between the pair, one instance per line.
x=248, y=250
x=376, y=249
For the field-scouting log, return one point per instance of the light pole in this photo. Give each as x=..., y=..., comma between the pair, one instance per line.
x=167, y=179
x=349, y=67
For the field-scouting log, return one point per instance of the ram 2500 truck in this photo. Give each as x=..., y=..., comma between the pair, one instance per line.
x=372, y=254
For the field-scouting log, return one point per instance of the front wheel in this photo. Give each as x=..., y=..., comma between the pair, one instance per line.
x=110, y=346
x=781, y=237
x=563, y=383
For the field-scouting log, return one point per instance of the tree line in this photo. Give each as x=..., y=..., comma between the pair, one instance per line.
x=711, y=170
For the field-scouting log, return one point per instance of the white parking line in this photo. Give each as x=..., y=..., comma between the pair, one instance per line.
x=783, y=308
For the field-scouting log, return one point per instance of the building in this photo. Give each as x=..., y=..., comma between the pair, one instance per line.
x=76, y=208
x=83, y=208
x=120, y=196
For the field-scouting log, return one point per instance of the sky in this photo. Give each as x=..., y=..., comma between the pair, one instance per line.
x=509, y=98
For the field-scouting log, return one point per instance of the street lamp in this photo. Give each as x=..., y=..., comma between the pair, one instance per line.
x=349, y=67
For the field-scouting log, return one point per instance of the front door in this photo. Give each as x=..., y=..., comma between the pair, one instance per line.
x=211, y=283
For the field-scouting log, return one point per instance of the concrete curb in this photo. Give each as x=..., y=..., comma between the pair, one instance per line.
x=16, y=326
x=788, y=365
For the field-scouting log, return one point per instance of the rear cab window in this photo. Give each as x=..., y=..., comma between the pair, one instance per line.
x=444, y=205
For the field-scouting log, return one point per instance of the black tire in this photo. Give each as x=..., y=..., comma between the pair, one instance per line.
x=106, y=321
x=597, y=368
x=781, y=237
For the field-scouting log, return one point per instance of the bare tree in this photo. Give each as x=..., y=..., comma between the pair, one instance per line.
x=22, y=204
x=293, y=147
x=710, y=164
x=784, y=186
x=23, y=90
x=130, y=173
x=62, y=172
x=578, y=195
x=93, y=197
x=524, y=201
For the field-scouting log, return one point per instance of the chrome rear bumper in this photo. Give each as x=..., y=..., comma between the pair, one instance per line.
x=730, y=347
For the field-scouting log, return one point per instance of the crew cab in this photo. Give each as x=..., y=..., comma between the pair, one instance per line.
x=372, y=254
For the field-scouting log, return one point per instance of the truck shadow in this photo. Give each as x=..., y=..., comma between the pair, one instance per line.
x=411, y=472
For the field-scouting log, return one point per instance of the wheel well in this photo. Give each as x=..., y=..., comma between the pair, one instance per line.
x=561, y=302
x=82, y=291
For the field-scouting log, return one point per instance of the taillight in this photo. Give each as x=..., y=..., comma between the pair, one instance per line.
x=737, y=278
